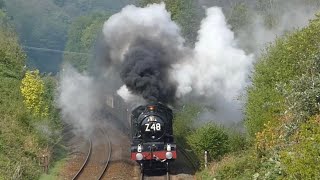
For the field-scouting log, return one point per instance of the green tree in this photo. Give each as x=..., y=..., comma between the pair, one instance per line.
x=12, y=60
x=239, y=16
x=82, y=37
x=211, y=138
x=49, y=95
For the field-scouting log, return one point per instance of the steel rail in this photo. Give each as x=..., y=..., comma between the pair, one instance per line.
x=85, y=162
x=108, y=155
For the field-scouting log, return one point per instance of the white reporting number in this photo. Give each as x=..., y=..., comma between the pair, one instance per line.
x=153, y=126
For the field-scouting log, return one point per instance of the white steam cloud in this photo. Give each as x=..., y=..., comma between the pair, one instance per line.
x=218, y=68
x=126, y=95
x=78, y=100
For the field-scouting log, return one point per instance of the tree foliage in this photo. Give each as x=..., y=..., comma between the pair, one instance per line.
x=12, y=59
x=288, y=59
x=240, y=16
x=300, y=159
x=210, y=138
x=82, y=36
x=32, y=89
x=236, y=166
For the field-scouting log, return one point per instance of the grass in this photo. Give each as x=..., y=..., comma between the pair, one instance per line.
x=234, y=166
x=54, y=171
x=59, y=158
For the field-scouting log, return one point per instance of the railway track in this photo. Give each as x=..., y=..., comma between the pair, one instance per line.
x=167, y=176
x=89, y=159
x=85, y=161
x=143, y=176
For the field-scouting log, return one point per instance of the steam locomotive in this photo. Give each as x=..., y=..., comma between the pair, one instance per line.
x=153, y=145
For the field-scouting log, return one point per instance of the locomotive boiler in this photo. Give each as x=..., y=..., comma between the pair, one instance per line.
x=153, y=145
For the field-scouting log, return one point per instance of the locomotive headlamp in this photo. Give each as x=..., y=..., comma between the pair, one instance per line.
x=139, y=156
x=169, y=155
x=168, y=147
x=139, y=149
x=151, y=108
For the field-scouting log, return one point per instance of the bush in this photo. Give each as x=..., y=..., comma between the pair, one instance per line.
x=287, y=59
x=300, y=160
x=238, y=141
x=211, y=138
x=32, y=90
x=238, y=166
x=303, y=98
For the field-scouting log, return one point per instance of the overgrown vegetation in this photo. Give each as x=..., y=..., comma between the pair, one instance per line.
x=282, y=71
x=17, y=142
x=282, y=113
x=23, y=135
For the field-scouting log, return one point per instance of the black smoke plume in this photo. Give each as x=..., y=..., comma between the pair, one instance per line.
x=145, y=71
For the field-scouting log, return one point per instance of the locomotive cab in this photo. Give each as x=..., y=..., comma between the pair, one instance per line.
x=153, y=144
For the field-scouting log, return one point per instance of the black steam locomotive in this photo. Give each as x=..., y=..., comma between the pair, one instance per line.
x=153, y=145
